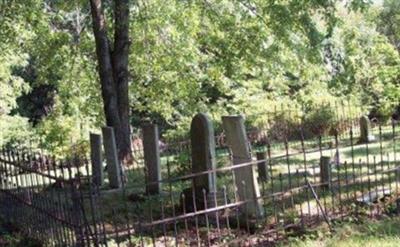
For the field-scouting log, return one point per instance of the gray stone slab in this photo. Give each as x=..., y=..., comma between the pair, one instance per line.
x=96, y=159
x=113, y=165
x=325, y=170
x=365, y=128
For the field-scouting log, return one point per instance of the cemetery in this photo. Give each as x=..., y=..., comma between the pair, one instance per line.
x=199, y=123
x=241, y=184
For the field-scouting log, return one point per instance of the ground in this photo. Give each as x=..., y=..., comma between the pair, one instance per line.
x=366, y=233
x=383, y=232
x=11, y=237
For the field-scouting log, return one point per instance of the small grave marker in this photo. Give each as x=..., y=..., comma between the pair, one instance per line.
x=365, y=126
x=325, y=170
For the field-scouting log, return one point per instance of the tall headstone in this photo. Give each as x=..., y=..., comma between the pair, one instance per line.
x=245, y=177
x=152, y=158
x=325, y=170
x=262, y=165
x=96, y=159
x=113, y=165
x=365, y=126
x=203, y=152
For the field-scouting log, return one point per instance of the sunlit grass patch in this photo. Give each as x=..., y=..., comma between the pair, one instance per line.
x=369, y=233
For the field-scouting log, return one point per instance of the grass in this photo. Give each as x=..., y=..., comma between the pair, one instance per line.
x=367, y=233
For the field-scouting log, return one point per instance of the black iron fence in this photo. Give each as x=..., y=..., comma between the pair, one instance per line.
x=291, y=180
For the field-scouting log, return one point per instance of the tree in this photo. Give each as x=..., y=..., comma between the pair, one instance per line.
x=216, y=56
x=389, y=22
x=113, y=70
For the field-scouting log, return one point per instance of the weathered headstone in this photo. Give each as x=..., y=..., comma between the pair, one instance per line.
x=152, y=158
x=96, y=159
x=203, y=152
x=246, y=176
x=325, y=170
x=113, y=165
x=365, y=126
x=262, y=166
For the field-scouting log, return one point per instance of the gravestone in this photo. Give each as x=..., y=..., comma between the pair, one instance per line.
x=365, y=126
x=203, y=159
x=246, y=176
x=96, y=159
x=203, y=156
x=325, y=170
x=113, y=166
x=152, y=158
x=262, y=166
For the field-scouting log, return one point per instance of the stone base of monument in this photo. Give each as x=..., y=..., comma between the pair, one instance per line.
x=374, y=196
x=370, y=138
x=201, y=200
x=250, y=225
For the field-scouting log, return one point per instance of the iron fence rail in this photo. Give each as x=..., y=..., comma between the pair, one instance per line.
x=56, y=201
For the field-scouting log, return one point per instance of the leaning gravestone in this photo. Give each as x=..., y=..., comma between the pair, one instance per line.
x=365, y=126
x=113, y=165
x=246, y=176
x=96, y=159
x=151, y=152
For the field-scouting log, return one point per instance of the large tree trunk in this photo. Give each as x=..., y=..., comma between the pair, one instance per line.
x=120, y=59
x=113, y=71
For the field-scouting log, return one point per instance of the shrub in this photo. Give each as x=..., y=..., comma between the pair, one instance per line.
x=319, y=120
x=284, y=127
x=323, y=120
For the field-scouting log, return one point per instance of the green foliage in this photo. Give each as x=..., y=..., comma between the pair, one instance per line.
x=14, y=130
x=215, y=56
x=366, y=65
x=283, y=126
x=388, y=21
x=321, y=121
